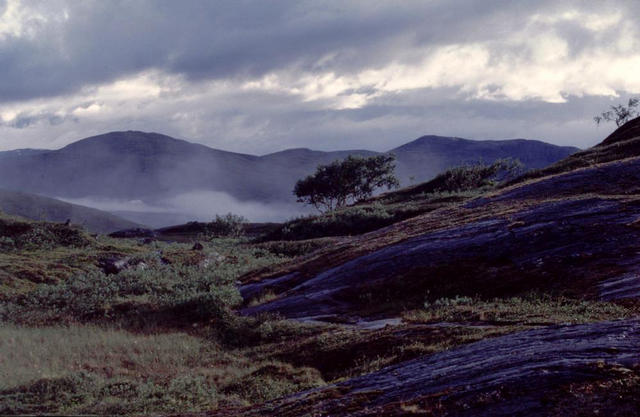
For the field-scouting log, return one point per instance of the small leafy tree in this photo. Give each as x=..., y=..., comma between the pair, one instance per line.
x=228, y=225
x=620, y=114
x=343, y=182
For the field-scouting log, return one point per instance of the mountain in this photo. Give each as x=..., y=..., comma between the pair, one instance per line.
x=427, y=156
x=156, y=169
x=37, y=207
x=20, y=152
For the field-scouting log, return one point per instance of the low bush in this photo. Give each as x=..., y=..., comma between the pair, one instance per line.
x=228, y=225
x=532, y=309
x=94, y=296
x=292, y=249
x=344, y=222
x=21, y=235
x=84, y=369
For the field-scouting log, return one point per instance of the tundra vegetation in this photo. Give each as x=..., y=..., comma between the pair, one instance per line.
x=164, y=334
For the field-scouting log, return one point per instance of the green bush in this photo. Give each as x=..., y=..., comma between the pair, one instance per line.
x=293, y=249
x=228, y=225
x=200, y=292
x=34, y=235
x=348, y=221
x=474, y=177
x=6, y=243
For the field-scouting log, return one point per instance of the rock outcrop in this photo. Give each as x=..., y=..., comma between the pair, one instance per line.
x=522, y=374
x=576, y=232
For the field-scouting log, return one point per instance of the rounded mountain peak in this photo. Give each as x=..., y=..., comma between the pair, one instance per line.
x=130, y=141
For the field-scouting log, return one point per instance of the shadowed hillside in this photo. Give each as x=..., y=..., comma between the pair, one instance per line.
x=37, y=207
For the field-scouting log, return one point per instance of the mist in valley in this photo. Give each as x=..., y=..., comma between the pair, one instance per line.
x=197, y=205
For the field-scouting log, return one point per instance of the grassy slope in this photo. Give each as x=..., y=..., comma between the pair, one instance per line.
x=37, y=207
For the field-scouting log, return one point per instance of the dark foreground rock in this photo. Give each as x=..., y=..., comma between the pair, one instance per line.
x=114, y=264
x=529, y=373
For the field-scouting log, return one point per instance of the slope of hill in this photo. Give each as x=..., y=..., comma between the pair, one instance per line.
x=156, y=168
x=37, y=207
x=574, y=232
x=20, y=152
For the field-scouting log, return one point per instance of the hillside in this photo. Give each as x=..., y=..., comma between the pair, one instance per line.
x=573, y=232
x=483, y=300
x=158, y=170
x=35, y=207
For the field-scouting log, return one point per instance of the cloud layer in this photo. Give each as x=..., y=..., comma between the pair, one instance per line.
x=262, y=76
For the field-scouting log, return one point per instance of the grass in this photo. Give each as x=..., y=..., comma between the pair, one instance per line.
x=160, y=337
x=82, y=369
x=534, y=309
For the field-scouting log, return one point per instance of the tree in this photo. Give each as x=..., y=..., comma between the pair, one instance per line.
x=620, y=114
x=343, y=182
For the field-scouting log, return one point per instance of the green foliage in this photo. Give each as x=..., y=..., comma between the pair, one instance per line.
x=347, y=221
x=533, y=309
x=291, y=249
x=446, y=302
x=23, y=235
x=474, y=177
x=275, y=380
x=7, y=243
x=228, y=225
x=85, y=393
x=343, y=182
x=620, y=114
x=199, y=293
x=454, y=185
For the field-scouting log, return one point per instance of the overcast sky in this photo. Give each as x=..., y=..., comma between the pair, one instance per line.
x=260, y=76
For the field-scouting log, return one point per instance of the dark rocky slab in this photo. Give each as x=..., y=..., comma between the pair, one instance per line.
x=521, y=374
x=571, y=233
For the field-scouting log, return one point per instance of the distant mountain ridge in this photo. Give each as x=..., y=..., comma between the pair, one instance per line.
x=438, y=153
x=152, y=167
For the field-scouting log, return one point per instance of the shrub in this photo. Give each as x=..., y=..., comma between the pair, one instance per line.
x=619, y=114
x=348, y=221
x=228, y=225
x=200, y=293
x=474, y=177
x=34, y=235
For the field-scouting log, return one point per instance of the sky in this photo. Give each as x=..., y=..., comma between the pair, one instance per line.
x=264, y=75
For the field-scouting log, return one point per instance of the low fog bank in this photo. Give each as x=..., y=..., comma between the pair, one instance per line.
x=193, y=206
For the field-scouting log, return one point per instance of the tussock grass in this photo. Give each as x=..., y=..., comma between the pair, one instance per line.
x=530, y=310
x=81, y=369
x=30, y=353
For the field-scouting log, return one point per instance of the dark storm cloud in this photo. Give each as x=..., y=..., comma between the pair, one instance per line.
x=260, y=76
x=92, y=42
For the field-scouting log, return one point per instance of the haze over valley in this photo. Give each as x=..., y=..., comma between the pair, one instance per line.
x=156, y=180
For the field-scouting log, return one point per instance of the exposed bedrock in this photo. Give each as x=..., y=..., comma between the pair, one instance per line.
x=569, y=245
x=514, y=375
